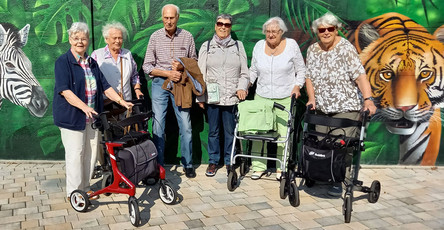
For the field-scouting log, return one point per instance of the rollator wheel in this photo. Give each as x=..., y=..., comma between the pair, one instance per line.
x=347, y=208
x=167, y=194
x=243, y=169
x=232, y=181
x=282, y=188
x=107, y=180
x=309, y=182
x=79, y=200
x=375, y=191
x=293, y=195
x=133, y=207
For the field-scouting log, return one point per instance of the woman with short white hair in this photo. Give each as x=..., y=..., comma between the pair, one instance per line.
x=117, y=63
x=278, y=67
x=78, y=89
x=335, y=76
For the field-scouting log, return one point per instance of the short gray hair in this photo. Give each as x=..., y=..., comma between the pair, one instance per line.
x=225, y=16
x=275, y=20
x=171, y=5
x=327, y=19
x=78, y=27
x=114, y=25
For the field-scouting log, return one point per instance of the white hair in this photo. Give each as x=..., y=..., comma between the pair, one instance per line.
x=114, y=25
x=275, y=20
x=78, y=27
x=171, y=5
x=327, y=19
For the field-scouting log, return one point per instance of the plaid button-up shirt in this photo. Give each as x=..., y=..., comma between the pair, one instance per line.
x=163, y=49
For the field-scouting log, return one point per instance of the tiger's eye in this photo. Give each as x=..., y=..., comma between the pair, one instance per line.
x=386, y=75
x=425, y=74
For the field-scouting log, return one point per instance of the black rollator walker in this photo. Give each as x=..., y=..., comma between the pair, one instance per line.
x=329, y=157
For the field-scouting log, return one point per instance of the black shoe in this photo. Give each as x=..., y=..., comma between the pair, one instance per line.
x=189, y=172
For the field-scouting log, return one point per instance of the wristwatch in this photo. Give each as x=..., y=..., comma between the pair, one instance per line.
x=369, y=98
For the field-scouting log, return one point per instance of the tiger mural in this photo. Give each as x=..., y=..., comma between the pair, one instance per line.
x=404, y=64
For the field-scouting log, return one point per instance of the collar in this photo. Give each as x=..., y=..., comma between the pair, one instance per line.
x=108, y=53
x=74, y=58
x=176, y=33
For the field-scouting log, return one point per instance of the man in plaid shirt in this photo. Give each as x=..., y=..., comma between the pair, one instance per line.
x=164, y=46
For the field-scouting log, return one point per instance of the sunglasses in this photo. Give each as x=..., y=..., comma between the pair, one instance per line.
x=330, y=29
x=220, y=24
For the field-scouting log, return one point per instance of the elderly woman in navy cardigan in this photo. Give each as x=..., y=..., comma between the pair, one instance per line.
x=78, y=90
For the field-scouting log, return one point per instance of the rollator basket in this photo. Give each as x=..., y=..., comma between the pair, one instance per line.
x=139, y=161
x=326, y=164
x=256, y=116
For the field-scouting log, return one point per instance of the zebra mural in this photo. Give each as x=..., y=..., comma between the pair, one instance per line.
x=17, y=82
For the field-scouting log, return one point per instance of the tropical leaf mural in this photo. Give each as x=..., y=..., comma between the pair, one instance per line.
x=52, y=13
x=3, y=5
x=128, y=12
x=49, y=20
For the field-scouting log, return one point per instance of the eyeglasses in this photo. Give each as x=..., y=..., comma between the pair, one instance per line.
x=272, y=31
x=220, y=24
x=330, y=29
x=76, y=39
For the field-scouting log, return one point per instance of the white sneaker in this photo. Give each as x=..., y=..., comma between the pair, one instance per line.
x=257, y=175
x=278, y=175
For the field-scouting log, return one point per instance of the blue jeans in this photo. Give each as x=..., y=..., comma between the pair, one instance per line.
x=159, y=99
x=215, y=114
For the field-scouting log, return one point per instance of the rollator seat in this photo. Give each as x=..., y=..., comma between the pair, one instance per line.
x=268, y=136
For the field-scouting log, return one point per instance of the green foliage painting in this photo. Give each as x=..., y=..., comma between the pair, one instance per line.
x=24, y=136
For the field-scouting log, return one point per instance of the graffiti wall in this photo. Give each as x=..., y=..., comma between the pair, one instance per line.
x=400, y=42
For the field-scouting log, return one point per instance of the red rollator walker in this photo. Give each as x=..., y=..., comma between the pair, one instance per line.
x=137, y=157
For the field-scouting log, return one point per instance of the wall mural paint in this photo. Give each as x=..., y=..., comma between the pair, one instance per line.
x=404, y=64
x=32, y=135
x=17, y=83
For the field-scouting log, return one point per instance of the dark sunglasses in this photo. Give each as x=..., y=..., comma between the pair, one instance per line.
x=220, y=24
x=330, y=29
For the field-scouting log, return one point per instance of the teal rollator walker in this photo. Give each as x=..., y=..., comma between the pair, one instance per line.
x=255, y=121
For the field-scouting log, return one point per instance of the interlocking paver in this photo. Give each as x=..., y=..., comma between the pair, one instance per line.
x=217, y=220
x=34, y=197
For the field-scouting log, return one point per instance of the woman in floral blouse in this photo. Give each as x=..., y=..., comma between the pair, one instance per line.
x=334, y=75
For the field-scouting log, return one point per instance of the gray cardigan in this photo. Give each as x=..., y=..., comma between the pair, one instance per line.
x=225, y=66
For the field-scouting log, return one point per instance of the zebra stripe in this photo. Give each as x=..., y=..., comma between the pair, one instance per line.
x=17, y=82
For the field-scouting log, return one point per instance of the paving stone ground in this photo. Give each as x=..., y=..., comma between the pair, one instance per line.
x=32, y=196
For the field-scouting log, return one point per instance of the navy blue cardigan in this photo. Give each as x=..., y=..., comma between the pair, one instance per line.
x=69, y=75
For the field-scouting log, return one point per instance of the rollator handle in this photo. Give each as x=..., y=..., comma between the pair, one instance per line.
x=279, y=106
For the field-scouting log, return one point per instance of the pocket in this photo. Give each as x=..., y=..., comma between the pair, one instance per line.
x=213, y=93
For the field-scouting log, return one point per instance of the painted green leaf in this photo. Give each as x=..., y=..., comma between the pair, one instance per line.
x=300, y=14
x=50, y=14
x=131, y=14
x=234, y=7
x=381, y=147
x=50, y=141
x=3, y=5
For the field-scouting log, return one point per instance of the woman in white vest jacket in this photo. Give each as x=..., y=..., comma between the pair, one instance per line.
x=117, y=63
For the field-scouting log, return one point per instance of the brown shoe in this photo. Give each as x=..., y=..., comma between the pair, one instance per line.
x=211, y=170
x=89, y=193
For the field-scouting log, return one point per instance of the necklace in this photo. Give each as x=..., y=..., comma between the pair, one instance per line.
x=273, y=51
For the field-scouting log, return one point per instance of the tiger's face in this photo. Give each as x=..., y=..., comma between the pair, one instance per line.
x=405, y=69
